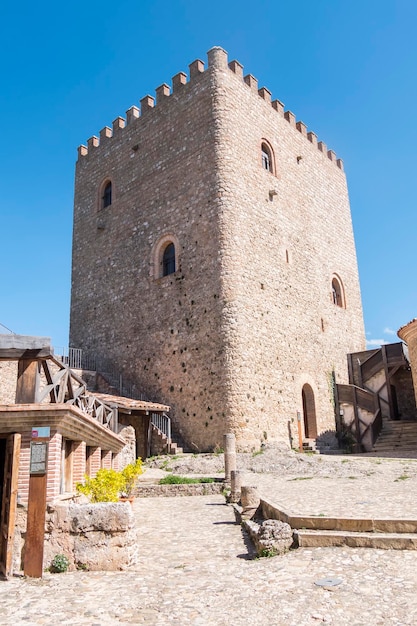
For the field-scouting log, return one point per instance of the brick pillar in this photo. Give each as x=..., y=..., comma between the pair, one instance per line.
x=23, y=479
x=53, y=485
x=93, y=462
x=78, y=462
x=54, y=467
x=106, y=457
x=115, y=461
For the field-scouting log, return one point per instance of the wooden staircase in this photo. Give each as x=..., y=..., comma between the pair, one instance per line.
x=371, y=397
x=397, y=437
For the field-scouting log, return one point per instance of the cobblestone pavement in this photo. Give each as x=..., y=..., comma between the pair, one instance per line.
x=194, y=569
x=372, y=494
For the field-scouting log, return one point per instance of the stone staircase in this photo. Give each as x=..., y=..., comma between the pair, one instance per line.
x=397, y=436
x=161, y=445
x=310, y=445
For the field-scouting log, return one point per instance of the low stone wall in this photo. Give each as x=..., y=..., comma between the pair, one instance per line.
x=196, y=489
x=100, y=536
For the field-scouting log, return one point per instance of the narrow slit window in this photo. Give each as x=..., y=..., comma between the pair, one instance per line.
x=106, y=199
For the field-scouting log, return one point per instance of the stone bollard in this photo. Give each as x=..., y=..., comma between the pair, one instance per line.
x=250, y=501
x=229, y=455
x=236, y=485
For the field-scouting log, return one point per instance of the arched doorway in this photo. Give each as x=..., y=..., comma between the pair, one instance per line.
x=309, y=412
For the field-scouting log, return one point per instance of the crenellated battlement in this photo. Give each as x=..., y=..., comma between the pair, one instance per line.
x=218, y=60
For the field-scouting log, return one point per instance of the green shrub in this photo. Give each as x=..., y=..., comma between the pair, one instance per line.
x=59, y=564
x=108, y=485
x=130, y=474
x=104, y=487
x=172, y=479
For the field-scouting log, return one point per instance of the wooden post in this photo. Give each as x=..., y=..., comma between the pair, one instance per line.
x=35, y=527
x=26, y=381
x=35, y=531
x=300, y=433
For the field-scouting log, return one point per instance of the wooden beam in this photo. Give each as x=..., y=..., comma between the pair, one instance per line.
x=27, y=375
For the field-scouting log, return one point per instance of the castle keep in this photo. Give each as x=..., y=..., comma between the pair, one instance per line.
x=213, y=259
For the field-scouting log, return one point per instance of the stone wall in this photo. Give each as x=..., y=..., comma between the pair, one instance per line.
x=98, y=536
x=247, y=319
x=408, y=333
x=170, y=491
x=8, y=380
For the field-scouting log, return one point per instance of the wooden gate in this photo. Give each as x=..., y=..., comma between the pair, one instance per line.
x=8, y=503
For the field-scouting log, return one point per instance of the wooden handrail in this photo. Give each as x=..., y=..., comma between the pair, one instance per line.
x=65, y=387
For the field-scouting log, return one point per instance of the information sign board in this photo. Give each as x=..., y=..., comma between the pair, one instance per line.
x=38, y=457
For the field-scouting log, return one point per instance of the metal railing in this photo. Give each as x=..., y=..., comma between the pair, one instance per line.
x=162, y=422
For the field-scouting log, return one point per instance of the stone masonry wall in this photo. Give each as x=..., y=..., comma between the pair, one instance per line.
x=408, y=333
x=166, y=333
x=280, y=255
x=229, y=339
x=8, y=379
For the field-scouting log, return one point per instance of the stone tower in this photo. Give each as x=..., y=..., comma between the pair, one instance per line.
x=213, y=259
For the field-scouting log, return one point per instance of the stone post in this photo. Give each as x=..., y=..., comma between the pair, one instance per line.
x=229, y=455
x=250, y=501
x=236, y=485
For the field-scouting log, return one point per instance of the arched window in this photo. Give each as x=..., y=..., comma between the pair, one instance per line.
x=168, y=260
x=106, y=196
x=266, y=155
x=337, y=292
x=165, y=256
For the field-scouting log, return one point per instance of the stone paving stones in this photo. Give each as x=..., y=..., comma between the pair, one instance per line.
x=194, y=570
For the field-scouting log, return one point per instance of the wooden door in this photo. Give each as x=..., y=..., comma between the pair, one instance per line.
x=9, y=502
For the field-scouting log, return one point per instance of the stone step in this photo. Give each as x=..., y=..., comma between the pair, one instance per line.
x=335, y=538
x=397, y=436
x=175, y=449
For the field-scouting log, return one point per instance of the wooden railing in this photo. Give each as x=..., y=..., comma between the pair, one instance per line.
x=376, y=426
x=356, y=395
x=392, y=354
x=368, y=401
x=60, y=384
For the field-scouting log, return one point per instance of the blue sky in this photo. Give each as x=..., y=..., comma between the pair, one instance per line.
x=347, y=69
